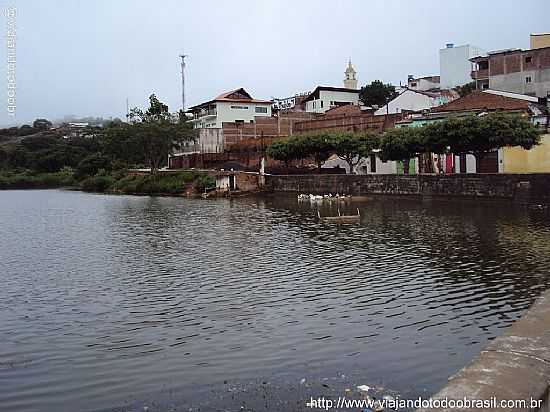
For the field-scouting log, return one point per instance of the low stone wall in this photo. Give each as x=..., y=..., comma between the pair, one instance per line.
x=515, y=366
x=521, y=188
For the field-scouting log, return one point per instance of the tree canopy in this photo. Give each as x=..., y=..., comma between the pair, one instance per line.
x=475, y=135
x=377, y=93
x=150, y=136
x=478, y=135
x=465, y=89
x=352, y=147
x=42, y=124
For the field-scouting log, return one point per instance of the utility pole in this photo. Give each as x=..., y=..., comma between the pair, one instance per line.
x=183, y=56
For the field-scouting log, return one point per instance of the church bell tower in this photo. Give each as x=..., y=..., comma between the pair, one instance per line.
x=350, y=82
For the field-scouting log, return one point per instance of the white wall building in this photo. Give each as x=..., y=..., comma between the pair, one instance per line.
x=413, y=100
x=455, y=66
x=289, y=103
x=324, y=98
x=234, y=106
x=423, y=83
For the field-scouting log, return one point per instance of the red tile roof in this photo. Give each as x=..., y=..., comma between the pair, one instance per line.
x=478, y=100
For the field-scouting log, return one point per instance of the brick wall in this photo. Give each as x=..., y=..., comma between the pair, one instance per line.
x=349, y=122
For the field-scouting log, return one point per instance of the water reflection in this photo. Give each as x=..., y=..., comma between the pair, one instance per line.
x=107, y=298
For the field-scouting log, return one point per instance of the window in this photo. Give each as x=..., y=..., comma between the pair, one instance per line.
x=413, y=84
x=321, y=104
x=528, y=59
x=240, y=107
x=528, y=79
x=260, y=109
x=485, y=85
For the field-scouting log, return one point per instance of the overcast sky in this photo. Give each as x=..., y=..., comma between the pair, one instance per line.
x=87, y=57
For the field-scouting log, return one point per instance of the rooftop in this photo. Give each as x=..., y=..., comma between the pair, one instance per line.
x=237, y=96
x=484, y=100
x=315, y=92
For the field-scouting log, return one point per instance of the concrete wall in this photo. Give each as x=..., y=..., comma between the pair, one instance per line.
x=513, y=366
x=422, y=84
x=536, y=160
x=211, y=141
x=454, y=65
x=538, y=41
x=522, y=188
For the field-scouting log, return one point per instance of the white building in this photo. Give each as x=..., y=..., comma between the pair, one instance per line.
x=423, y=83
x=415, y=101
x=455, y=67
x=324, y=98
x=234, y=106
x=290, y=103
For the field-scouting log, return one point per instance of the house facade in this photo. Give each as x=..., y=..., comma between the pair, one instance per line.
x=234, y=106
x=503, y=160
x=324, y=98
x=514, y=70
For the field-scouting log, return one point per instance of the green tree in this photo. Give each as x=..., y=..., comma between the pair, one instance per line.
x=402, y=144
x=281, y=150
x=91, y=164
x=377, y=93
x=465, y=89
x=352, y=147
x=318, y=146
x=150, y=136
x=42, y=124
x=479, y=135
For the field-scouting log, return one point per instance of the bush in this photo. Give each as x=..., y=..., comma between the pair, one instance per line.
x=97, y=183
x=90, y=165
x=165, y=183
x=204, y=182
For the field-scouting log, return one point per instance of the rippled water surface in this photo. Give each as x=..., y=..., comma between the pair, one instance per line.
x=106, y=300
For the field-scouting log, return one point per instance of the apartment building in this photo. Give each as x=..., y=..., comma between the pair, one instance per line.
x=235, y=106
x=514, y=70
x=455, y=65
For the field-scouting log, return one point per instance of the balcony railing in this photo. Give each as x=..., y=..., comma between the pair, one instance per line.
x=480, y=74
x=204, y=113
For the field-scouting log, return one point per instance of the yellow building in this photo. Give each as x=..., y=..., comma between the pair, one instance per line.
x=539, y=40
x=536, y=160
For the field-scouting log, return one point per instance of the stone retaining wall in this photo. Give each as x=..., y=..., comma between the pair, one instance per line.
x=521, y=188
x=514, y=366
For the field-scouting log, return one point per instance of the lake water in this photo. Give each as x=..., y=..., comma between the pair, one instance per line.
x=115, y=302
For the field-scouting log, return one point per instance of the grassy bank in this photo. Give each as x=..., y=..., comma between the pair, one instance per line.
x=176, y=183
x=115, y=182
x=29, y=180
